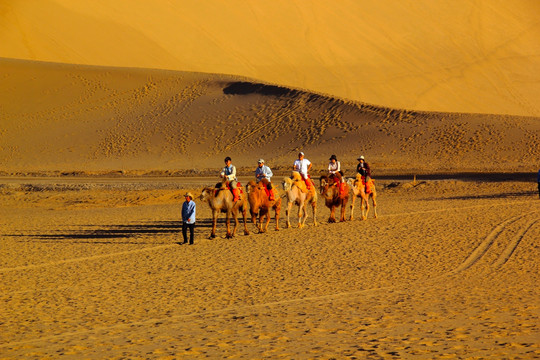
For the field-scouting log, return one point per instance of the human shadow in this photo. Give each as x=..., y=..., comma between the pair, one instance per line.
x=99, y=234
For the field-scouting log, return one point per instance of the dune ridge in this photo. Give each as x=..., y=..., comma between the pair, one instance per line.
x=77, y=118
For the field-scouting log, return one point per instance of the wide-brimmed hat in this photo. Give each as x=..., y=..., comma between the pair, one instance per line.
x=189, y=194
x=261, y=161
x=333, y=157
x=361, y=157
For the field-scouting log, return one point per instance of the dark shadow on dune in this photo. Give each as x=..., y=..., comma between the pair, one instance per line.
x=96, y=234
x=247, y=88
x=504, y=195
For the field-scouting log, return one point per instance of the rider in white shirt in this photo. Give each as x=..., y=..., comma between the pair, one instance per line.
x=303, y=166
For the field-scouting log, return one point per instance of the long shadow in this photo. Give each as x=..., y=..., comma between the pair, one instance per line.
x=507, y=195
x=96, y=234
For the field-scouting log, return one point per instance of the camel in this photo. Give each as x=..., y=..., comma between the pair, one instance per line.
x=358, y=189
x=220, y=200
x=260, y=205
x=334, y=197
x=295, y=195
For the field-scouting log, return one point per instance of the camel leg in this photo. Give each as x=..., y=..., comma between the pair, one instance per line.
x=214, y=224
x=367, y=208
x=314, y=209
x=352, y=207
x=267, y=214
x=374, y=205
x=228, y=222
x=288, y=212
x=244, y=216
x=254, y=219
x=332, y=218
x=277, y=210
x=302, y=215
x=343, y=208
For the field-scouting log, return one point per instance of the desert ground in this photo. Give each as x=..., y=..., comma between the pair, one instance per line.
x=111, y=110
x=93, y=269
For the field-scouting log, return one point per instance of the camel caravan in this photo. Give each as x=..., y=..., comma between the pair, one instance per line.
x=231, y=198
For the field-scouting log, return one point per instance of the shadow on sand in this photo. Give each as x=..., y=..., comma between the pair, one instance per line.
x=97, y=234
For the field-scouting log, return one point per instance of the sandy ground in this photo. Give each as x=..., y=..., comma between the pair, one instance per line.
x=449, y=270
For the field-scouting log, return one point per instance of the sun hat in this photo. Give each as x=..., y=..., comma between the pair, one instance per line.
x=301, y=153
x=261, y=161
x=189, y=194
x=361, y=157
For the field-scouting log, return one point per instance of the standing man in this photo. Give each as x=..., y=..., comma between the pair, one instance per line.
x=188, y=218
x=303, y=166
x=229, y=173
x=264, y=174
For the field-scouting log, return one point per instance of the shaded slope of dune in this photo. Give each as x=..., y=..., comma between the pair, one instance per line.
x=74, y=118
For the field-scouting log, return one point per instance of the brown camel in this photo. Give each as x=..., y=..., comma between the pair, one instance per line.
x=220, y=200
x=260, y=204
x=334, y=197
x=295, y=195
x=358, y=189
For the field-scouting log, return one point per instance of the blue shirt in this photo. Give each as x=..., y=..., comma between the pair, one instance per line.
x=188, y=212
x=263, y=172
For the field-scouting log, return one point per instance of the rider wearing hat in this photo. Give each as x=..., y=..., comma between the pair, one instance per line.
x=363, y=169
x=334, y=169
x=264, y=174
x=303, y=166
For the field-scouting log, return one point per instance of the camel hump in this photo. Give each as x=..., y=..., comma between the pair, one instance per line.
x=296, y=176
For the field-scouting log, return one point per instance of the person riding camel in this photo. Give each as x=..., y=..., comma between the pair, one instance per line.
x=363, y=169
x=263, y=174
x=229, y=173
x=303, y=166
x=334, y=169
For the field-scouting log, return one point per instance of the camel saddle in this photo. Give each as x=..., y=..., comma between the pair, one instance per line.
x=368, y=186
x=219, y=186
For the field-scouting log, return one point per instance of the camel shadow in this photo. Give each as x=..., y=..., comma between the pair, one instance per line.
x=115, y=233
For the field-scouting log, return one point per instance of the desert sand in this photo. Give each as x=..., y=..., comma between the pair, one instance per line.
x=450, y=56
x=111, y=110
x=93, y=269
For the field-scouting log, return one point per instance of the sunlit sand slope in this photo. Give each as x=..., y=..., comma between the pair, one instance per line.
x=458, y=56
x=67, y=118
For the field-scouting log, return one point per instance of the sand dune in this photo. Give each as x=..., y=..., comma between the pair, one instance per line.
x=75, y=118
x=454, y=56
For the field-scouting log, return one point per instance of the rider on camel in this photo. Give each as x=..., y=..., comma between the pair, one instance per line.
x=363, y=169
x=229, y=173
x=303, y=166
x=263, y=174
x=334, y=169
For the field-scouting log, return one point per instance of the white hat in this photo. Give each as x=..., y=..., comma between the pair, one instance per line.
x=260, y=161
x=189, y=194
x=300, y=153
x=361, y=157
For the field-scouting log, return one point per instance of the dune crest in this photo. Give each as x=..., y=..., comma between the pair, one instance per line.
x=458, y=56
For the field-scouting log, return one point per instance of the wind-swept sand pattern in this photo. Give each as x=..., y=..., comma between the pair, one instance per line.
x=105, y=119
x=87, y=274
x=457, y=56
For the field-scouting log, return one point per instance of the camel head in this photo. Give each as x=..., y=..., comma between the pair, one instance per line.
x=287, y=183
x=206, y=193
